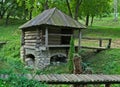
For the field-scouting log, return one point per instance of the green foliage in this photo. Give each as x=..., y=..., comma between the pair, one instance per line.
x=70, y=56
x=20, y=81
x=106, y=62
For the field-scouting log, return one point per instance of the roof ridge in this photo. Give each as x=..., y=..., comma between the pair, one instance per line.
x=51, y=14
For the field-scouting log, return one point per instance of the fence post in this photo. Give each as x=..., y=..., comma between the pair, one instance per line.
x=107, y=85
x=109, y=44
x=100, y=42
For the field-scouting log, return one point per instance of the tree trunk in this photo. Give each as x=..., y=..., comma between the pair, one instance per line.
x=30, y=14
x=7, y=19
x=68, y=5
x=78, y=3
x=77, y=67
x=92, y=20
x=46, y=5
x=115, y=10
x=87, y=20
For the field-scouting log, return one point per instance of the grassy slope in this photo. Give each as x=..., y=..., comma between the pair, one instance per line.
x=105, y=62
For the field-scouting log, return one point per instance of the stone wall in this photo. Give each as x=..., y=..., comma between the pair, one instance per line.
x=42, y=57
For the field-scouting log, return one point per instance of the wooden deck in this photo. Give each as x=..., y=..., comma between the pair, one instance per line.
x=77, y=79
x=80, y=79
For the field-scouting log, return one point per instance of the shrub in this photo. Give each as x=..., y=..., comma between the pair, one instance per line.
x=70, y=55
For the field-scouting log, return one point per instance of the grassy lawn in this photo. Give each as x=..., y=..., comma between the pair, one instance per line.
x=11, y=51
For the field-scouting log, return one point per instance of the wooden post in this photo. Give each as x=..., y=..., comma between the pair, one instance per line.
x=107, y=85
x=79, y=42
x=22, y=38
x=109, y=44
x=38, y=41
x=77, y=67
x=46, y=37
x=100, y=42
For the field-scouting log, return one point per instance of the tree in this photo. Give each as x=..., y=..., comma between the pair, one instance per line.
x=70, y=56
x=115, y=10
x=94, y=8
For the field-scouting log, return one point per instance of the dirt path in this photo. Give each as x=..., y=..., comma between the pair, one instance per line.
x=115, y=43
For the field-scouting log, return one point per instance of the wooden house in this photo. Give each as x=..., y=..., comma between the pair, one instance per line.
x=45, y=38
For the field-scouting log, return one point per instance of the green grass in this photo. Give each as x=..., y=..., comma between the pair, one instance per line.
x=105, y=62
x=11, y=51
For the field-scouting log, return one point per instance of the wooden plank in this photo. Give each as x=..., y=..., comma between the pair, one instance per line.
x=30, y=47
x=46, y=37
x=58, y=45
x=30, y=41
x=44, y=78
x=53, y=34
x=99, y=48
x=30, y=44
x=2, y=43
x=90, y=38
x=30, y=37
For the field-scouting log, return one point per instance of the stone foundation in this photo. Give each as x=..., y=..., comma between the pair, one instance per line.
x=41, y=57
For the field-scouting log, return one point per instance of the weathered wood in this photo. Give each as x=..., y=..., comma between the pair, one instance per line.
x=30, y=37
x=100, y=42
x=107, y=85
x=30, y=41
x=60, y=34
x=79, y=42
x=91, y=38
x=77, y=65
x=109, y=44
x=46, y=37
x=30, y=44
x=23, y=38
x=98, y=48
x=30, y=47
x=1, y=43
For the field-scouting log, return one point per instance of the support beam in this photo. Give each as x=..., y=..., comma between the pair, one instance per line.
x=46, y=37
x=79, y=38
x=38, y=42
x=22, y=37
x=107, y=85
x=100, y=43
x=109, y=44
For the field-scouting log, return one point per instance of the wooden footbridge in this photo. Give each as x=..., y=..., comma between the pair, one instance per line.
x=78, y=79
x=100, y=43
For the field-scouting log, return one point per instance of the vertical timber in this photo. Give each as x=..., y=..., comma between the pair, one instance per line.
x=79, y=38
x=46, y=37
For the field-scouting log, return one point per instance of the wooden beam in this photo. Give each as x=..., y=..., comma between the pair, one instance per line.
x=107, y=85
x=46, y=37
x=100, y=42
x=91, y=38
x=38, y=38
x=79, y=42
x=22, y=38
x=109, y=44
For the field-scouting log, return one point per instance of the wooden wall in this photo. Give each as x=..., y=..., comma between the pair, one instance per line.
x=53, y=37
x=30, y=38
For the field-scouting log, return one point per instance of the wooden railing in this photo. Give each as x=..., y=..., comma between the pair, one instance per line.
x=100, y=41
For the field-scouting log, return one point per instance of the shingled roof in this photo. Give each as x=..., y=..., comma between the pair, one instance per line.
x=53, y=17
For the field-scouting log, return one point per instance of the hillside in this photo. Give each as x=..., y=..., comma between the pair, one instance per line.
x=104, y=62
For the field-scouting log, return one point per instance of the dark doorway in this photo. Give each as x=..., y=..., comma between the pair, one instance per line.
x=30, y=60
x=57, y=59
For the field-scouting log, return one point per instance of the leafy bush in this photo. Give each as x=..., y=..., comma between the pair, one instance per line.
x=70, y=56
x=20, y=81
